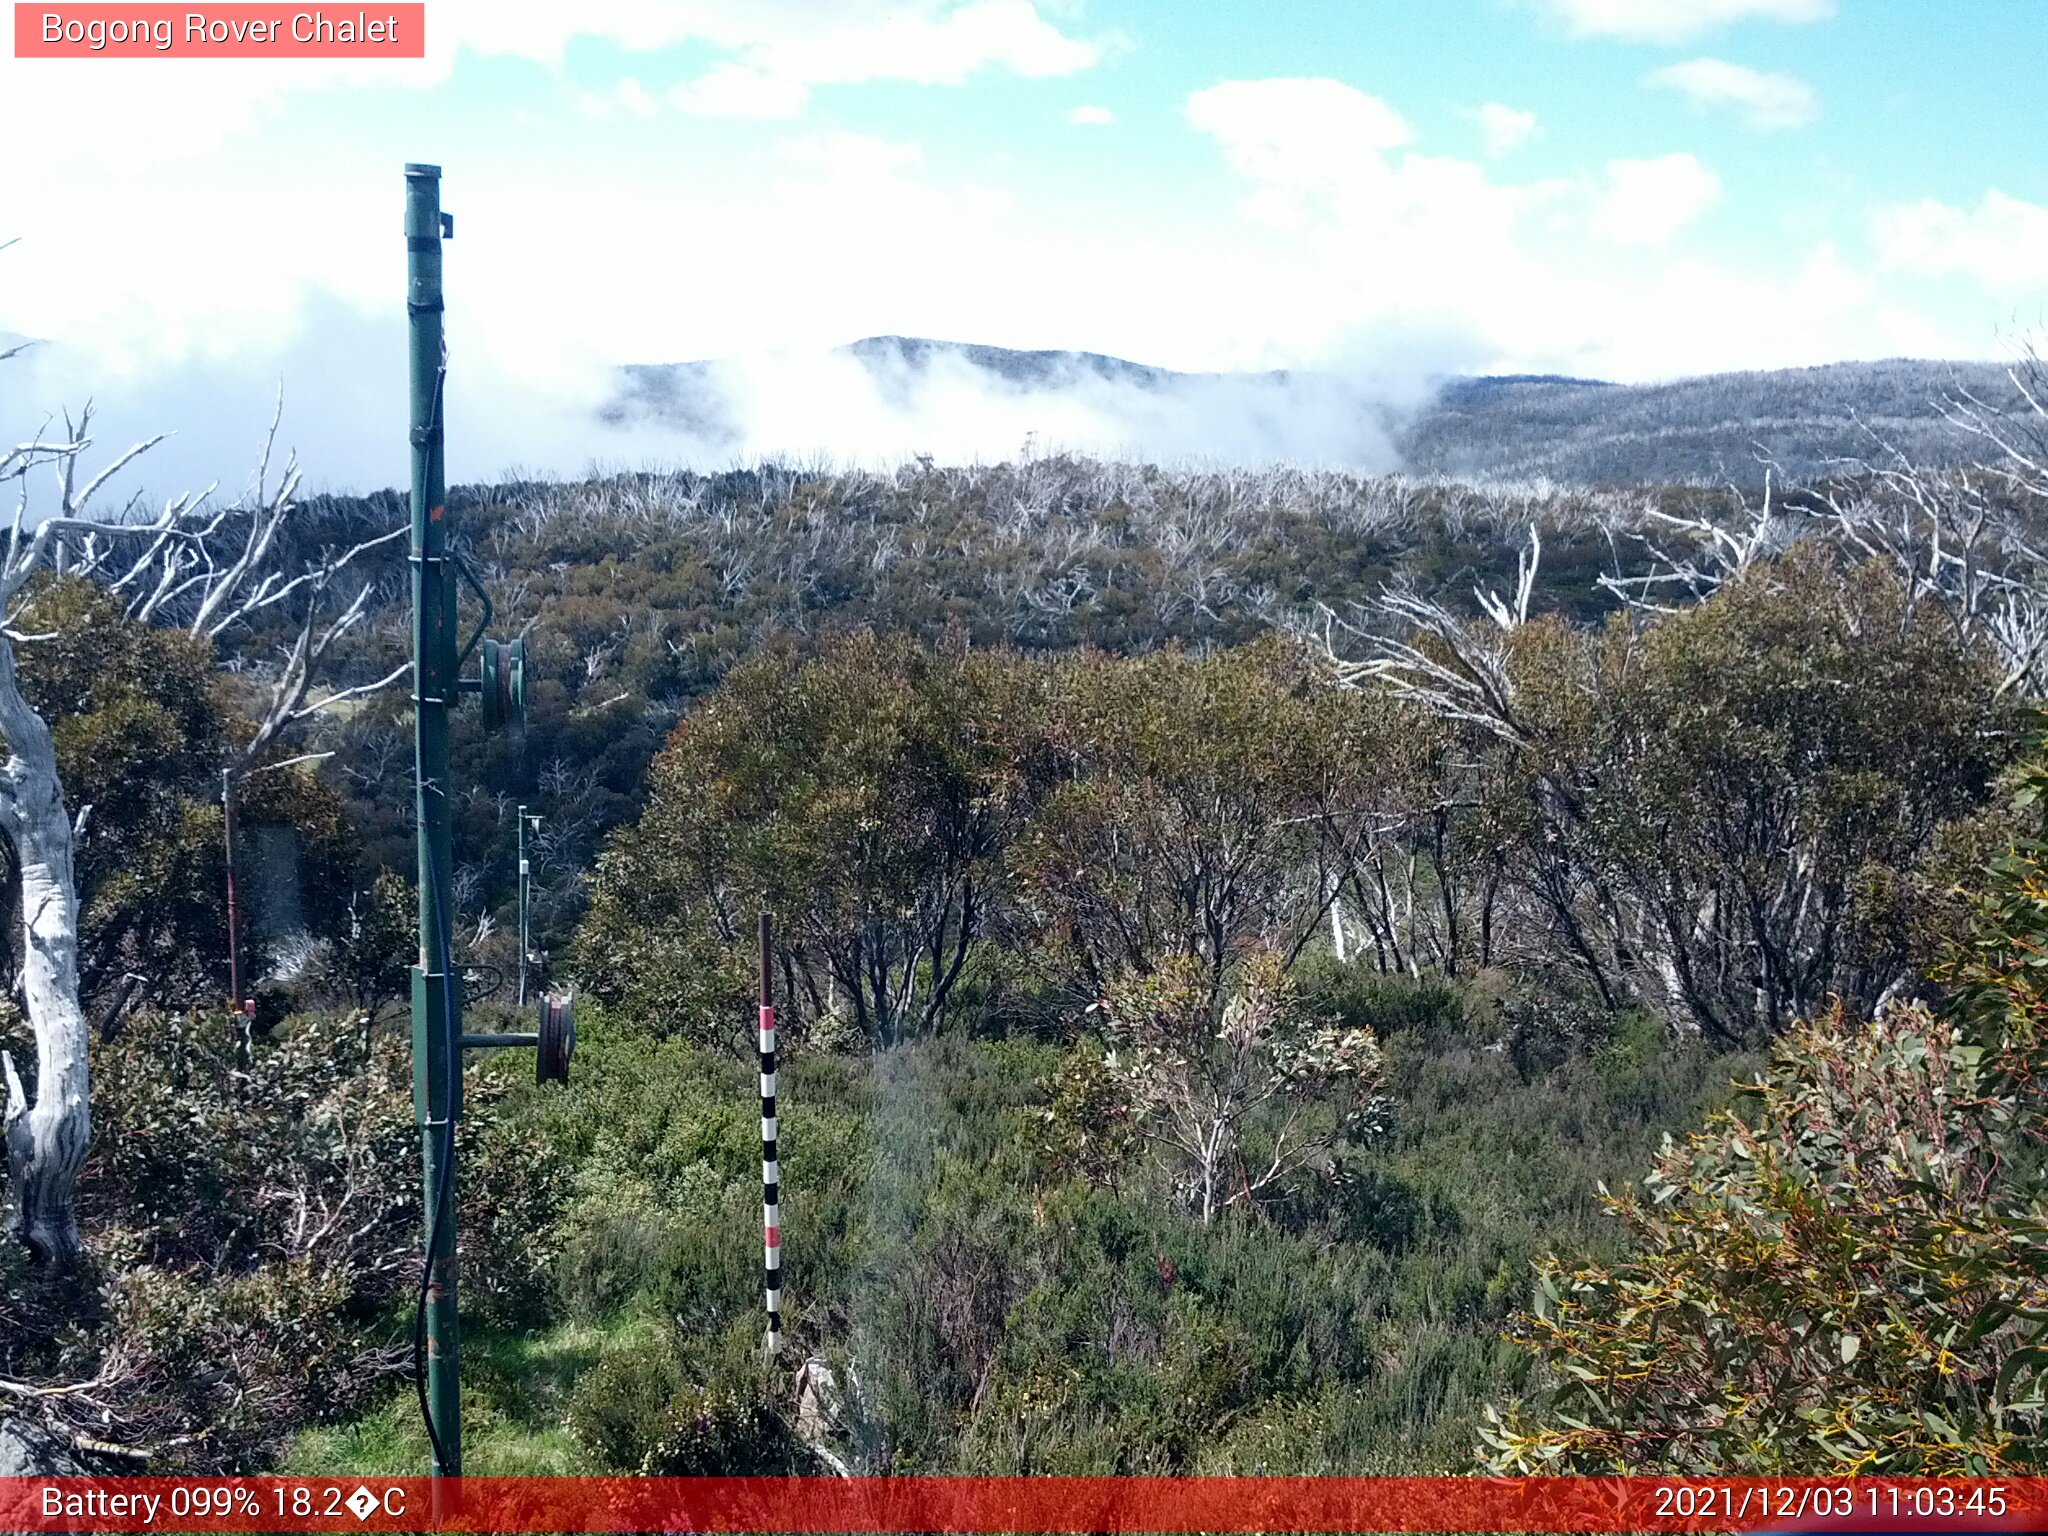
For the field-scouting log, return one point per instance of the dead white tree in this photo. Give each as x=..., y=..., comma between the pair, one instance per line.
x=212, y=573
x=1425, y=654
x=1963, y=538
x=1691, y=557
x=46, y=1141
x=209, y=570
x=2019, y=434
x=1526, y=563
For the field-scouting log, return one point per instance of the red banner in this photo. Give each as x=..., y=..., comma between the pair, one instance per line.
x=226, y=31
x=1002, y=1504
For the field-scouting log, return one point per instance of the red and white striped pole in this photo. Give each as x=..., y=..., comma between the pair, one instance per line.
x=771, y=1171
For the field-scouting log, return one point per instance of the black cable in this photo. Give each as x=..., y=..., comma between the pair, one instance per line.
x=443, y=935
x=442, y=1186
x=446, y=958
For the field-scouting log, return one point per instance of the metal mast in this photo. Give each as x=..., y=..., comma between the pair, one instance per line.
x=436, y=1021
x=437, y=1038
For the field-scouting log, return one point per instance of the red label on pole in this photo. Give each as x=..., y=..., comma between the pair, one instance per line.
x=224, y=31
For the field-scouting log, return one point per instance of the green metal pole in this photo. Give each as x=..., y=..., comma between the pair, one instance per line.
x=436, y=1020
x=522, y=906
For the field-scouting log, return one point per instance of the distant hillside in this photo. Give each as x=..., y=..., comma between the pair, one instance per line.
x=1584, y=432
x=1571, y=431
x=1027, y=369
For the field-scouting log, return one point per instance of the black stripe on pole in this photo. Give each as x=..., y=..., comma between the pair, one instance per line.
x=771, y=1171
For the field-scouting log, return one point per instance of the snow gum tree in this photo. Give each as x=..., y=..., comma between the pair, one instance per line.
x=1236, y=1090
x=198, y=566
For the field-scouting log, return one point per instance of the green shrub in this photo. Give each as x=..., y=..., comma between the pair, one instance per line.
x=1359, y=997
x=1829, y=1289
x=254, y=1210
x=719, y=1432
x=1852, y=1276
x=619, y=1410
x=652, y=1408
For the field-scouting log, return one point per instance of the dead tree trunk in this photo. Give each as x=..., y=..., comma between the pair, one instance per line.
x=46, y=1138
x=178, y=569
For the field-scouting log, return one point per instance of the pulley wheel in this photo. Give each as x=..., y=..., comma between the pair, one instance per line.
x=557, y=1038
x=504, y=684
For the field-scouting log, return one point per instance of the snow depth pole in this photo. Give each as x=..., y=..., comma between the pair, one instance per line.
x=771, y=1169
x=436, y=1013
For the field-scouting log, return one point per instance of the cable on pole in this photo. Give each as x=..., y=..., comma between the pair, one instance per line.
x=443, y=1454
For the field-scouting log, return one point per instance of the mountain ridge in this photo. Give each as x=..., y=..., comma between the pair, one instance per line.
x=1719, y=427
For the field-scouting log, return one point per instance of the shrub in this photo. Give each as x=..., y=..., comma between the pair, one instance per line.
x=1230, y=1085
x=641, y=1411
x=1853, y=1279
x=619, y=1410
x=1831, y=1287
x=256, y=1206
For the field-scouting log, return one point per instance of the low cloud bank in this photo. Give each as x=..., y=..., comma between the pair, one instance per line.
x=877, y=404
x=889, y=400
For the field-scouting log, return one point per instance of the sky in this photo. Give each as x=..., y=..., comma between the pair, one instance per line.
x=1381, y=192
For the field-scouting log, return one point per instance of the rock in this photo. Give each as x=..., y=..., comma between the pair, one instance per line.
x=26, y=1451
x=818, y=1413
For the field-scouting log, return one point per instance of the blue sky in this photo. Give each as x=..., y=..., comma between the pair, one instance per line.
x=1631, y=189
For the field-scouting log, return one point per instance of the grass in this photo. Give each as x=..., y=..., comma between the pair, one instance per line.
x=515, y=1393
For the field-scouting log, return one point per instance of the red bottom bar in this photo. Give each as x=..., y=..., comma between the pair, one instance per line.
x=1025, y=1504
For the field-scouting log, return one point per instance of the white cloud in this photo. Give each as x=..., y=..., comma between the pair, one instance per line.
x=851, y=157
x=1299, y=141
x=1504, y=129
x=136, y=115
x=1716, y=321
x=1091, y=117
x=1351, y=245
x=1647, y=202
x=629, y=98
x=1678, y=21
x=195, y=106
x=741, y=91
x=810, y=404
x=542, y=30
x=1256, y=117
x=926, y=44
x=1765, y=101
x=943, y=48
x=2002, y=243
x=1373, y=243
x=1382, y=256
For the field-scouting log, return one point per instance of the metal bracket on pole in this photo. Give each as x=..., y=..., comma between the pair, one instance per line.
x=462, y=569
